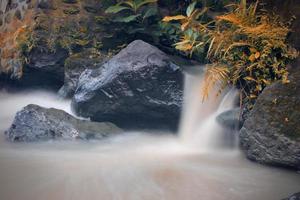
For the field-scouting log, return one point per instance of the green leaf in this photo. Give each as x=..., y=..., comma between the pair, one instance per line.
x=115, y=9
x=191, y=8
x=127, y=19
x=82, y=42
x=129, y=3
x=150, y=12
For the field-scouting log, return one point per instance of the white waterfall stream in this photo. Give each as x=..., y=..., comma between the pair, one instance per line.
x=199, y=127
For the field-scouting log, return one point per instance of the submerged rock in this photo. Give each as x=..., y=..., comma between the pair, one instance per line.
x=271, y=134
x=230, y=118
x=35, y=123
x=139, y=87
x=75, y=65
x=295, y=196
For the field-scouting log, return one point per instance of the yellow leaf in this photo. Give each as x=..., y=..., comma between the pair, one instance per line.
x=286, y=81
x=258, y=88
x=257, y=55
x=252, y=58
x=185, y=25
x=253, y=50
x=266, y=82
x=184, y=47
x=232, y=18
x=252, y=96
x=249, y=78
x=173, y=18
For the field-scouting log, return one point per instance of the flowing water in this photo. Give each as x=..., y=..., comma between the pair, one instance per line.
x=197, y=165
x=199, y=127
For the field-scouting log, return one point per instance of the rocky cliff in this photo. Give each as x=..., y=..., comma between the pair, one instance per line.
x=36, y=36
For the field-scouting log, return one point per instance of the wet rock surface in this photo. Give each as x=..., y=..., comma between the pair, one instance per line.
x=75, y=65
x=271, y=134
x=138, y=87
x=35, y=123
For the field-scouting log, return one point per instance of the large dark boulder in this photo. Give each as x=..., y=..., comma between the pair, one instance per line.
x=140, y=87
x=271, y=133
x=75, y=65
x=35, y=123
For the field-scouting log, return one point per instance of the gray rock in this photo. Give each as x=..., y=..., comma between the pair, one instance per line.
x=75, y=65
x=295, y=196
x=35, y=123
x=230, y=118
x=140, y=87
x=271, y=134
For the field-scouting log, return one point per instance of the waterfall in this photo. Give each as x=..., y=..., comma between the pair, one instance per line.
x=199, y=127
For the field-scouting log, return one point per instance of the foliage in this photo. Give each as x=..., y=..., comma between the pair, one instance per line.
x=134, y=18
x=245, y=46
x=25, y=42
x=70, y=36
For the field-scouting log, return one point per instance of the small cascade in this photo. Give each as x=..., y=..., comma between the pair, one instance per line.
x=199, y=127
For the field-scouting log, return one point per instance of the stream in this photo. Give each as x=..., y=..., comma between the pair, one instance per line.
x=136, y=165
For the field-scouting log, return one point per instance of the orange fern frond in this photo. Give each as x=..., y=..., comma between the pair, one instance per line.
x=215, y=77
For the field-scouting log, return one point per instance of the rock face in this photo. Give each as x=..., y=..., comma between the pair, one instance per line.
x=75, y=65
x=35, y=123
x=44, y=69
x=139, y=87
x=271, y=134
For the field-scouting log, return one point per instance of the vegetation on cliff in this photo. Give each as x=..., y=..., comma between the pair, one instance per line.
x=245, y=47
